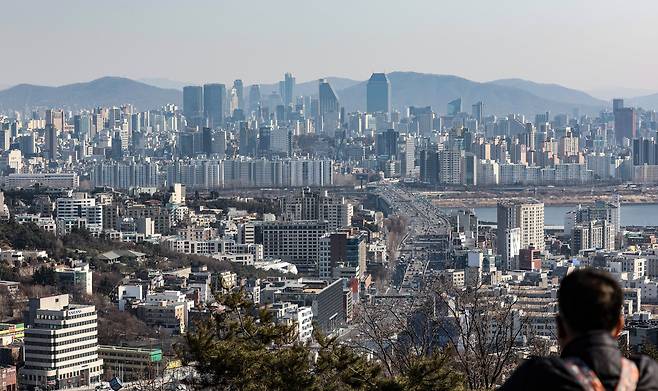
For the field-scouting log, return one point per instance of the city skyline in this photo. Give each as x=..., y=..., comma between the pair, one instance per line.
x=514, y=36
x=328, y=195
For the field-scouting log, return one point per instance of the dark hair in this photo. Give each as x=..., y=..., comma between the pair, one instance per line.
x=590, y=299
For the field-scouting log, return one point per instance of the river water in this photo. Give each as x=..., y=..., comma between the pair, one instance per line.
x=631, y=214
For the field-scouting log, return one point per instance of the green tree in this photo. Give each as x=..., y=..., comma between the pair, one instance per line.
x=45, y=276
x=242, y=348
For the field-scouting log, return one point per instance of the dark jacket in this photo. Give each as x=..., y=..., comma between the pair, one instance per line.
x=598, y=350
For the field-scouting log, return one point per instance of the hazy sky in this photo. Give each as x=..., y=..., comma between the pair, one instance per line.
x=582, y=44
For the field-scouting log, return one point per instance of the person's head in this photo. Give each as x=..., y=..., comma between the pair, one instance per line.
x=589, y=300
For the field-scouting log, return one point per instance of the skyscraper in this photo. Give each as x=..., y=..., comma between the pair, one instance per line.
x=214, y=96
x=193, y=105
x=625, y=121
x=239, y=91
x=328, y=98
x=477, y=111
x=82, y=126
x=617, y=104
x=387, y=144
x=378, y=94
x=55, y=118
x=254, y=97
x=329, y=107
x=52, y=142
x=287, y=89
x=455, y=106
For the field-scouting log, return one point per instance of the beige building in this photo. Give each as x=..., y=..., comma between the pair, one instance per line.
x=526, y=215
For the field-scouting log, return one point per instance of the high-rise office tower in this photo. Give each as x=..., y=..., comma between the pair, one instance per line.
x=528, y=217
x=193, y=105
x=328, y=98
x=455, y=106
x=135, y=122
x=82, y=125
x=625, y=121
x=52, y=142
x=239, y=92
x=378, y=94
x=264, y=140
x=329, y=107
x=233, y=101
x=287, y=89
x=617, y=104
x=214, y=96
x=254, y=97
x=114, y=116
x=387, y=144
x=61, y=345
x=55, y=118
x=477, y=111
x=5, y=139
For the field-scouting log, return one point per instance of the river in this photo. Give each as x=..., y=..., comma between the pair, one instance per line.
x=631, y=214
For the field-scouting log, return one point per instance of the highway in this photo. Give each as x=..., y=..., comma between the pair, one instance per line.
x=427, y=236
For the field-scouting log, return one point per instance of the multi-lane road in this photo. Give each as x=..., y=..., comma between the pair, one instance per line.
x=426, y=236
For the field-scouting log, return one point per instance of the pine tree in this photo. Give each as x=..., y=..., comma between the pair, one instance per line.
x=242, y=348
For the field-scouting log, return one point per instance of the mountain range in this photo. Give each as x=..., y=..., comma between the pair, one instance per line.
x=106, y=91
x=500, y=97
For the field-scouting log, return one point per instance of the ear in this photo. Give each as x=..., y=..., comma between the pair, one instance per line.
x=619, y=327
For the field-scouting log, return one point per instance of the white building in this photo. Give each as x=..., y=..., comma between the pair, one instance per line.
x=77, y=277
x=526, y=215
x=61, y=346
x=289, y=314
x=80, y=211
x=488, y=173
x=53, y=180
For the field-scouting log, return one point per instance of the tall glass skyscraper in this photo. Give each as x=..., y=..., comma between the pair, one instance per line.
x=455, y=106
x=328, y=98
x=288, y=90
x=193, y=105
x=329, y=108
x=254, y=97
x=214, y=96
x=378, y=94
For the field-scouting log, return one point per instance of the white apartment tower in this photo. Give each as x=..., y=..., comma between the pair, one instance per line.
x=79, y=210
x=61, y=345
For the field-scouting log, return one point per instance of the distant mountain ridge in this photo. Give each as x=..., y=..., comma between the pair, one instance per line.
x=106, y=91
x=551, y=91
x=420, y=89
x=646, y=101
x=500, y=97
x=161, y=82
x=311, y=87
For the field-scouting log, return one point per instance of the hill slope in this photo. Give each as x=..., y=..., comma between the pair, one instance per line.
x=553, y=92
x=419, y=89
x=646, y=101
x=106, y=91
x=500, y=97
x=310, y=87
